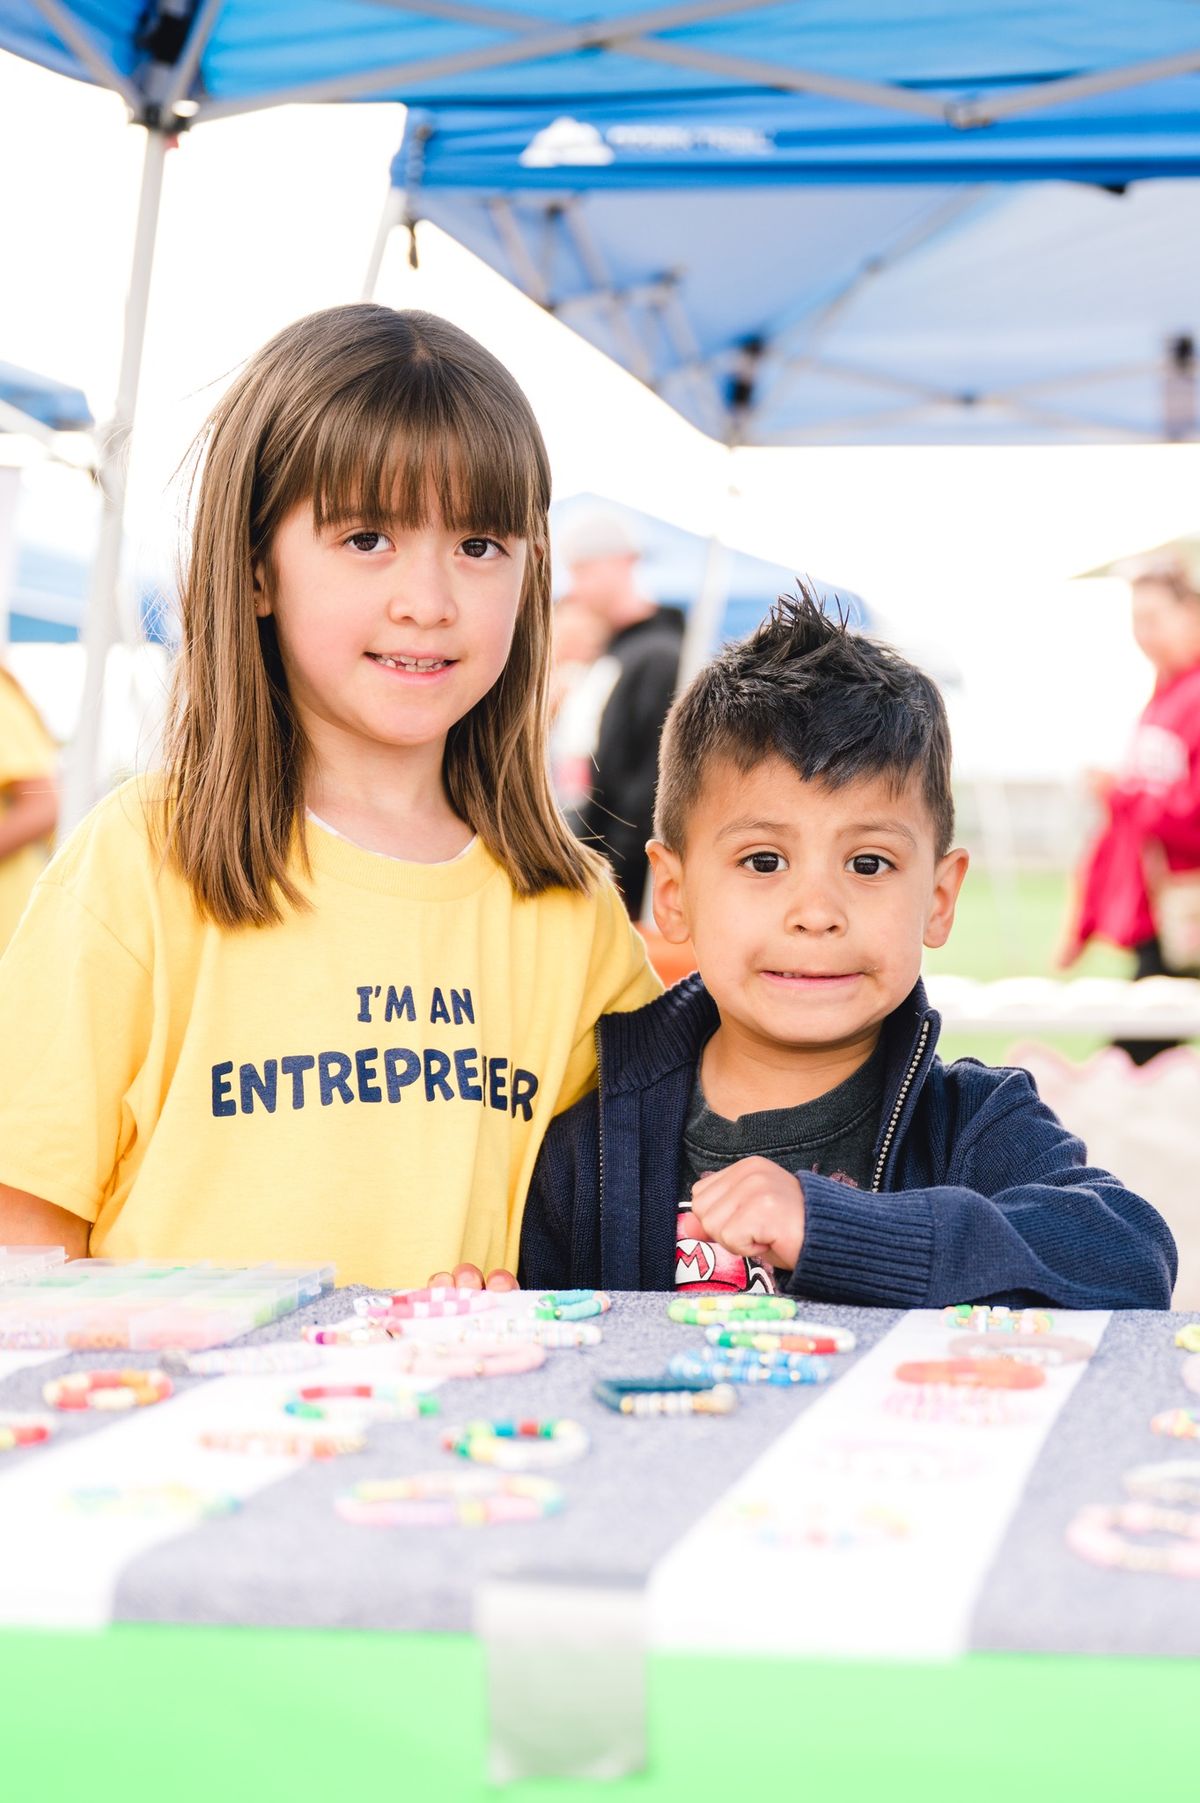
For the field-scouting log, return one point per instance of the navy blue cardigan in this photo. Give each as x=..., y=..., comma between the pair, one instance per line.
x=979, y=1192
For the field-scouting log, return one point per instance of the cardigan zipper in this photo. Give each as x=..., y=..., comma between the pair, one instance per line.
x=897, y=1111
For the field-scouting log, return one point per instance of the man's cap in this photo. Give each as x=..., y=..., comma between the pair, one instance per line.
x=593, y=535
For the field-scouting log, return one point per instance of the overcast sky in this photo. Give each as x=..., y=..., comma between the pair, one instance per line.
x=269, y=216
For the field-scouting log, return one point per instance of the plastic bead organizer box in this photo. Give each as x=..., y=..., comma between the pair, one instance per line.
x=139, y=1305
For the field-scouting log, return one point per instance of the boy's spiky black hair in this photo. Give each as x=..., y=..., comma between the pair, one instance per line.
x=835, y=705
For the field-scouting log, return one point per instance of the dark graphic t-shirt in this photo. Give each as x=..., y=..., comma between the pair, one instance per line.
x=834, y=1135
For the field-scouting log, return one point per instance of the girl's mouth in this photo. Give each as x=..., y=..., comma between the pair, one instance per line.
x=411, y=666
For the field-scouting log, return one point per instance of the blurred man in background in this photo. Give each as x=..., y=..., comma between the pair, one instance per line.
x=601, y=558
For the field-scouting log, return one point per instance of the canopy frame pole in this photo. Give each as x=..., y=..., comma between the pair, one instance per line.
x=90, y=55
x=508, y=229
x=393, y=214
x=620, y=318
x=624, y=35
x=704, y=616
x=185, y=69
x=968, y=115
x=101, y=617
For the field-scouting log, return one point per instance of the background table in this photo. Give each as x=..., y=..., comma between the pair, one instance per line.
x=213, y=1681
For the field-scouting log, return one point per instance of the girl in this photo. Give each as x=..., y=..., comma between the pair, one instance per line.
x=316, y=993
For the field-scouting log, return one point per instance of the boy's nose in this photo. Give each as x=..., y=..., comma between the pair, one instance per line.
x=814, y=910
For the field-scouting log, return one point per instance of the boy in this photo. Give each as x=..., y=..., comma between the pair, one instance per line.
x=781, y=1119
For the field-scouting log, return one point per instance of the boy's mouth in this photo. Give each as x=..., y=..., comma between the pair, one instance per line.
x=415, y=666
x=813, y=979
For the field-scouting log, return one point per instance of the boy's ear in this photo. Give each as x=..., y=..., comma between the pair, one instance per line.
x=947, y=881
x=666, y=867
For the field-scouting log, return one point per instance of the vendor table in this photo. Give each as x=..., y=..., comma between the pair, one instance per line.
x=278, y=1647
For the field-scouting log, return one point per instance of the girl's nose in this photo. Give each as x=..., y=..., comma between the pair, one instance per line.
x=422, y=591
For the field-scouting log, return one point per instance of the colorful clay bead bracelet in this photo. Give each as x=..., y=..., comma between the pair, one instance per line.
x=725, y=1310
x=107, y=1389
x=1028, y=1348
x=1101, y=1535
x=1191, y=1372
x=1179, y=1424
x=348, y=1333
x=571, y=1305
x=751, y=1368
x=483, y=1358
x=360, y=1402
x=1188, y=1338
x=1169, y=1481
x=277, y=1443
x=996, y=1318
x=150, y=1500
x=945, y=1405
x=450, y=1499
x=665, y=1395
x=518, y=1445
x=25, y=1430
x=439, y=1300
x=972, y=1374
x=801, y=1336
x=246, y=1361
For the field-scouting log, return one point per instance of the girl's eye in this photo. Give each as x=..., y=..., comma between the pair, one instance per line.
x=368, y=541
x=481, y=548
x=765, y=863
x=870, y=863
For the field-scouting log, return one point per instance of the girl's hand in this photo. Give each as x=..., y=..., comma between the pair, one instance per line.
x=754, y=1208
x=470, y=1277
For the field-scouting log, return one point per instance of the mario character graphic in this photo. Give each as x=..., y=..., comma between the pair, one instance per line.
x=702, y=1269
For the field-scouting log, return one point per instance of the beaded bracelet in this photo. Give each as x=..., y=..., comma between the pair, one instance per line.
x=707, y=1311
x=493, y=1357
x=1098, y=1533
x=25, y=1430
x=1172, y=1481
x=1188, y=1338
x=986, y=1317
x=467, y=1329
x=450, y=1499
x=751, y=1368
x=947, y=1405
x=1027, y=1348
x=278, y=1443
x=360, y=1402
x=440, y=1300
x=151, y=1500
x=800, y=1336
x=518, y=1445
x=1180, y=1424
x=665, y=1395
x=245, y=1361
x=348, y=1333
x=107, y=1389
x=972, y=1374
x=819, y=1525
x=571, y=1305
x=1191, y=1372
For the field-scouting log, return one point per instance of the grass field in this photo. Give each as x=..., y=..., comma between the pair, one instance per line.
x=1015, y=932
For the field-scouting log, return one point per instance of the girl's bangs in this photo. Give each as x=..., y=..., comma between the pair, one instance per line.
x=381, y=460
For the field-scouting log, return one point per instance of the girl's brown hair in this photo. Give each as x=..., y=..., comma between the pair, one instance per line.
x=364, y=413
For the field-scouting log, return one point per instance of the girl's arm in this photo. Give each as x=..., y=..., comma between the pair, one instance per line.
x=26, y=1220
x=31, y=814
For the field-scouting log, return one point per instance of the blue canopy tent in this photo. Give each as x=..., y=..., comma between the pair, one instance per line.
x=1090, y=69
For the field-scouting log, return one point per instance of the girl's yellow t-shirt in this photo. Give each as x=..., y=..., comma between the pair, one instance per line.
x=27, y=754
x=367, y=1082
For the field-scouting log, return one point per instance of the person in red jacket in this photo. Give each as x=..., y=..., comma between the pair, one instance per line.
x=1153, y=803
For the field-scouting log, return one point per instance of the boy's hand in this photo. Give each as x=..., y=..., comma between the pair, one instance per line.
x=470, y=1277
x=754, y=1208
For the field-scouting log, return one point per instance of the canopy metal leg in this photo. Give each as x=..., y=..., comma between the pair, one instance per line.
x=80, y=782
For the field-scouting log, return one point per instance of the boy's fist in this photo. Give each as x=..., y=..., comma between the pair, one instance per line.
x=754, y=1208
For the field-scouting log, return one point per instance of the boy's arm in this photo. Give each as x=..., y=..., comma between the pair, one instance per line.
x=1026, y=1221
x=561, y=1195
x=26, y=1220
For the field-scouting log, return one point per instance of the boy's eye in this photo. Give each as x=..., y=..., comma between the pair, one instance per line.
x=480, y=548
x=765, y=863
x=368, y=540
x=870, y=863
